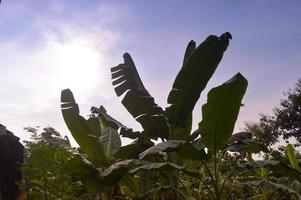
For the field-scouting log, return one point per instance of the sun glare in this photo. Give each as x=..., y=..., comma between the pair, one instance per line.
x=77, y=65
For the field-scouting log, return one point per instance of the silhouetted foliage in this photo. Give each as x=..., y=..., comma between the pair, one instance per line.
x=264, y=130
x=45, y=171
x=288, y=116
x=11, y=156
x=285, y=123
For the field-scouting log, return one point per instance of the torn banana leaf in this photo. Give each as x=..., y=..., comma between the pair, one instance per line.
x=137, y=99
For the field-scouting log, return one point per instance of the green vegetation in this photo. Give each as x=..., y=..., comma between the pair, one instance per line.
x=45, y=171
x=284, y=124
x=208, y=163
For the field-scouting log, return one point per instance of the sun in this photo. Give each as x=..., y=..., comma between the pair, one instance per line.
x=77, y=65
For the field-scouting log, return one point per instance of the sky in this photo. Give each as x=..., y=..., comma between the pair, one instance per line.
x=47, y=46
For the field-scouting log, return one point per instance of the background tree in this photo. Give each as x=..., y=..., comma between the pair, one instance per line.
x=45, y=173
x=288, y=116
x=285, y=123
x=264, y=130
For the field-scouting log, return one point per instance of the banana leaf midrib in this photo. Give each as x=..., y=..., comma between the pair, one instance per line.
x=223, y=105
x=72, y=111
x=194, y=69
x=109, y=145
x=186, y=89
x=218, y=116
x=92, y=146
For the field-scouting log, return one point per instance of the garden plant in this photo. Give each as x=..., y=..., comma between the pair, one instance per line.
x=208, y=163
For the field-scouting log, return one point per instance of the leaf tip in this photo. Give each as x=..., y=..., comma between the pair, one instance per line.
x=226, y=36
x=192, y=44
x=126, y=55
x=240, y=77
x=67, y=96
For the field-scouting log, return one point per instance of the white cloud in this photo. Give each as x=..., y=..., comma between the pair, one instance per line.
x=70, y=55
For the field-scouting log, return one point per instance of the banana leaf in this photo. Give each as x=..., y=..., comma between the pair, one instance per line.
x=221, y=111
x=105, y=118
x=292, y=157
x=137, y=99
x=110, y=141
x=275, y=166
x=113, y=174
x=199, y=65
x=109, y=121
x=162, y=166
x=132, y=151
x=87, y=173
x=274, y=186
x=170, y=145
x=80, y=129
x=246, y=147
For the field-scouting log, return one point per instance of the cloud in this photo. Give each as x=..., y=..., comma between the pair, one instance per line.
x=67, y=53
x=49, y=45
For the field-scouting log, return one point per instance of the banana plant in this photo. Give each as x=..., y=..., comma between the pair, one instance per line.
x=292, y=156
x=138, y=101
x=175, y=121
x=100, y=147
x=218, y=120
x=99, y=138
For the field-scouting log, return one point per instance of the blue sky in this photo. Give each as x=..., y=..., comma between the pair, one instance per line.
x=49, y=45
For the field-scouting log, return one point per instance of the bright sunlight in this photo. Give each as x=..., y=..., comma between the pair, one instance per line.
x=76, y=64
